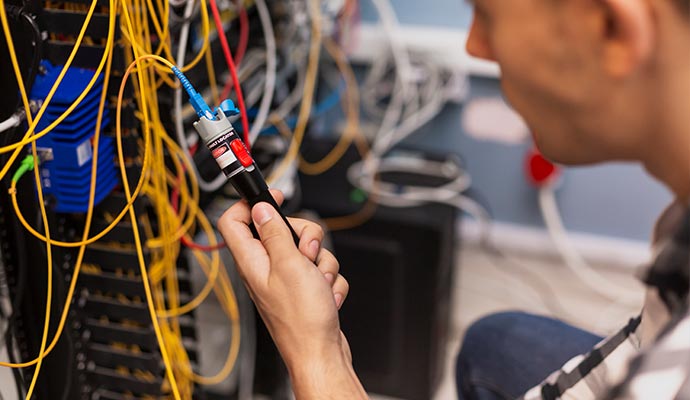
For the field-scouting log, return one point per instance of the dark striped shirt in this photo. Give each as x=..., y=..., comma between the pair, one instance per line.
x=649, y=359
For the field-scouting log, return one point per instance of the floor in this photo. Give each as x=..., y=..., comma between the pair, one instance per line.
x=487, y=283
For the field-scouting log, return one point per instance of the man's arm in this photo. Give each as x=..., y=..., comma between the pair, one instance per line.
x=330, y=377
x=298, y=291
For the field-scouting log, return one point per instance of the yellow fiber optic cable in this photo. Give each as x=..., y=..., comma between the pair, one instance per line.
x=205, y=28
x=351, y=128
x=161, y=27
x=166, y=330
x=155, y=182
x=210, y=282
x=49, y=290
x=211, y=76
x=28, y=138
x=234, y=343
x=107, y=52
x=137, y=239
x=309, y=86
x=91, y=194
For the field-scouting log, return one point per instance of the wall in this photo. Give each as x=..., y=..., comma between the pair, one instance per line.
x=615, y=200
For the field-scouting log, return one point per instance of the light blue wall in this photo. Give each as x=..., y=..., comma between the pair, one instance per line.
x=614, y=200
x=439, y=13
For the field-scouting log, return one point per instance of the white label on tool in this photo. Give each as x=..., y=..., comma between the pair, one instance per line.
x=84, y=152
x=220, y=148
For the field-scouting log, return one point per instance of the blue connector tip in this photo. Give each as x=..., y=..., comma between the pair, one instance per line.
x=195, y=99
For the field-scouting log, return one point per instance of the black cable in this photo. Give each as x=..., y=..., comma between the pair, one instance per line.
x=38, y=49
x=21, y=13
x=69, y=372
x=70, y=367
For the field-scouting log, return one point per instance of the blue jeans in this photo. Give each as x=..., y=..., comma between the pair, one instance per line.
x=504, y=355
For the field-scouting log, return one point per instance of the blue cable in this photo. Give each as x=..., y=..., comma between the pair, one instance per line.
x=195, y=99
x=323, y=107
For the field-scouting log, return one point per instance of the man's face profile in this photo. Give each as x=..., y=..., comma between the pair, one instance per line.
x=581, y=72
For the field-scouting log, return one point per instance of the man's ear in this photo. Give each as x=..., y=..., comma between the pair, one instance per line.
x=629, y=35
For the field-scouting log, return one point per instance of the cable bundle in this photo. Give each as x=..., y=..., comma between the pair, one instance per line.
x=157, y=170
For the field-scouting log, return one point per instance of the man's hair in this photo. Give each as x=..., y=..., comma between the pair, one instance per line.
x=684, y=5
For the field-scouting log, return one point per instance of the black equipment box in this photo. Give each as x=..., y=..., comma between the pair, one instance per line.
x=400, y=266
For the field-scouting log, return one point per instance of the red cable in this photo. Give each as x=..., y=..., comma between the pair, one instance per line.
x=241, y=47
x=175, y=198
x=193, y=148
x=244, y=34
x=197, y=246
x=231, y=68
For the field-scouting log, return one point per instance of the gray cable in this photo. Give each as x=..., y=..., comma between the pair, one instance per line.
x=220, y=180
x=271, y=67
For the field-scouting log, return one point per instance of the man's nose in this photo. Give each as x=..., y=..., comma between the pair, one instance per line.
x=477, y=44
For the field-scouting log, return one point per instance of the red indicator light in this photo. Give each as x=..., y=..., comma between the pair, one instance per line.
x=540, y=171
x=241, y=153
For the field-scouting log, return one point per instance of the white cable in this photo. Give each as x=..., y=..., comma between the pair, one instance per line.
x=389, y=21
x=295, y=95
x=572, y=258
x=402, y=91
x=247, y=370
x=460, y=202
x=254, y=93
x=220, y=180
x=177, y=3
x=393, y=136
x=410, y=125
x=459, y=180
x=253, y=59
x=418, y=108
x=12, y=122
x=373, y=160
x=271, y=66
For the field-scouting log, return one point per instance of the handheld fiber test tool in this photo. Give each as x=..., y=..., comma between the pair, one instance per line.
x=229, y=151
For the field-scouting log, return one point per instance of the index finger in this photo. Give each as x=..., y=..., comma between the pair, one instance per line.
x=234, y=227
x=246, y=250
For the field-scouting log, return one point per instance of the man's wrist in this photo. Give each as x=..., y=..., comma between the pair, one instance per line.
x=325, y=376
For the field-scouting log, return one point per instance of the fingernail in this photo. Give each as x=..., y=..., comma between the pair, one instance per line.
x=329, y=278
x=338, y=299
x=262, y=213
x=314, y=248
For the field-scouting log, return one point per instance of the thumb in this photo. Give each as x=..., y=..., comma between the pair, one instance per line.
x=274, y=233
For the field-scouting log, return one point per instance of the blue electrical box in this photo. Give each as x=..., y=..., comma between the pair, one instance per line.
x=67, y=150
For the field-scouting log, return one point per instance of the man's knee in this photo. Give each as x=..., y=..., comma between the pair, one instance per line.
x=484, y=344
x=487, y=334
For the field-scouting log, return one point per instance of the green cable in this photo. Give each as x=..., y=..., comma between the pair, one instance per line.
x=26, y=165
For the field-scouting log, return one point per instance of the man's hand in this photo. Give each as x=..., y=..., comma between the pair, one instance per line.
x=298, y=292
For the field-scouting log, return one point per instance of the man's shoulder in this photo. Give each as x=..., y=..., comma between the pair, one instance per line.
x=667, y=361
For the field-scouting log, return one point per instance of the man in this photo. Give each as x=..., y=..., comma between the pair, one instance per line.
x=596, y=80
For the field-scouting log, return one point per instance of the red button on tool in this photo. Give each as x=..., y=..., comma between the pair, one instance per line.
x=241, y=153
